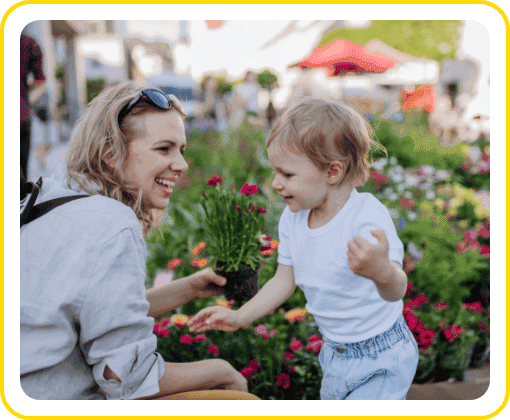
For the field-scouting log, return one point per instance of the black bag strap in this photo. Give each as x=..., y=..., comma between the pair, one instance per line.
x=31, y=212
x=46, y=206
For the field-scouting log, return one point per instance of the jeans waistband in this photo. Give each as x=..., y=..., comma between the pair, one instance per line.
x=374, y=345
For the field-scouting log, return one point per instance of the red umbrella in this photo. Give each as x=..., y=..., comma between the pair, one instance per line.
x=423, y=97
x=341, y=55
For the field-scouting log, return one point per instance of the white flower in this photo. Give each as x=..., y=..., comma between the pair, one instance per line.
x=379, y=164
x=393, y=196
x=394, y=213
x=393, y=160
x=475, y=154
x=430, y=195
x=413, y=250
x=400, y=188
x=412, y=180
x=428, y=170
x=412, y=215
x=442, y=175
x=408, y=194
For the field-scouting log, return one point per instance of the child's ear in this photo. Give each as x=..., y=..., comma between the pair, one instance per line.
x=335, y=172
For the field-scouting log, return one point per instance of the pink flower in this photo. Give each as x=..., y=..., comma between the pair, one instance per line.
x=186, y=339
x=293, y=368
x=483, y=327
x=287, y=356
x=295, y=344
x=163, y=332
x=475, y=306
x=214, y=180
x=272, y=333
x=315, y=346
x=440, y=305
x=213, y=349
x=253, y=364
x=379, y=177
x=484, y=233
x=417, y=301
x=262, y=331
x=426, y=338
x=249, y=189
x=262, y=210
x=199, y=337
x=313, y=338
x=485, y=250
x=247, y=372
x=453, y=332
x=283, y=380
x=238, y=209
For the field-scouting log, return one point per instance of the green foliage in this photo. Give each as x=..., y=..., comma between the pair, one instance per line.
x=412, y=145
x=432, y=39
x=224, y=86
x=94, y=87
x=267, y=80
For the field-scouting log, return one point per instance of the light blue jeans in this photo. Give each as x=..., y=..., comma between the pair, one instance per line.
x=380, y=368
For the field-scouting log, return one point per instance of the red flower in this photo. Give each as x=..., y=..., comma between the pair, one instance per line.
x=253, y=364
x=283, y=380
x=247, y=372
x=200, y=337
x=214, y=180
x=453, y=332
x=315, y=346
x=440, y=305
x=426, y=338
x=262, y=330
x=417, y=301
x=484, y=233
x=295, y=344
x=287, y=356
x=186, y=339
x=262, y=210
x=475, y=306
x=379, y=177
x=409, y=285
x=213, y=349
x=314, y=337
x=293, y=368
x=249, y=189
x=407, y=203
x=238, y=209
x=163, y=332
x=156, y=328
x=413, y=323
x=483, y=327
x=164, y=321
x=485, y=250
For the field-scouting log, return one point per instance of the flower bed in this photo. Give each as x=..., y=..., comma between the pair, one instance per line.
x=442, y=217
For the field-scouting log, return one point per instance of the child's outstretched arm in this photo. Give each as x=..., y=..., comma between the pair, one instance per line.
x=273, y=294
x=371, y=261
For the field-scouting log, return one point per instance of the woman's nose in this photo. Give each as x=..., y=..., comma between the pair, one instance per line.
x=179, y=164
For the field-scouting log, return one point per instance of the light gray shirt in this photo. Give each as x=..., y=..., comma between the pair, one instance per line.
x=83, y=302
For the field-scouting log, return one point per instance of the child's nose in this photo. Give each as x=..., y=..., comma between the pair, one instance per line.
x=276, y=184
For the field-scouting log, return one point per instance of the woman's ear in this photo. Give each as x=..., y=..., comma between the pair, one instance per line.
x=335, y=172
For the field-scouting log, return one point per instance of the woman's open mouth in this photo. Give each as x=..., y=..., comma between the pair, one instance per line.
x=166, y=185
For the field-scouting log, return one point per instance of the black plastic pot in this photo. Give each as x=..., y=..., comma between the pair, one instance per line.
x=241, y=285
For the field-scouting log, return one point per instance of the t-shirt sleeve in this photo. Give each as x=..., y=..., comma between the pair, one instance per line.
x=115, y=328
x=376, y=216
x=284, y=224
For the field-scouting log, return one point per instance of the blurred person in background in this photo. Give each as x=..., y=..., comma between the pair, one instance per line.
x=31, y=89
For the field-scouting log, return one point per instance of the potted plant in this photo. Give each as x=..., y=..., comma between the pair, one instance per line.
x=233, y=221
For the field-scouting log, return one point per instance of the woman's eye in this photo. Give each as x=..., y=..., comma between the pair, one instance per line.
x=287, y=175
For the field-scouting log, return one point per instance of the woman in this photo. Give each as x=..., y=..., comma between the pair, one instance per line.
x=86, y=318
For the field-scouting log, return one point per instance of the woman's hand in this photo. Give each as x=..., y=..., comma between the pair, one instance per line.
x=215, y=318
x=206, y=283
x=233, y=380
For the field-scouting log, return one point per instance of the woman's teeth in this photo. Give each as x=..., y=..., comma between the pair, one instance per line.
x=165, y=182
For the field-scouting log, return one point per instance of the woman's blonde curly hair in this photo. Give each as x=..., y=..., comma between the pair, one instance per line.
x=98, y=151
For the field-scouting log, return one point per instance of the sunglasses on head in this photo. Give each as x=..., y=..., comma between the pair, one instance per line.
x=157, y=98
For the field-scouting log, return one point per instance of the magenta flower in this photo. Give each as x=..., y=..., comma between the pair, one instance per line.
x=199, y=337
x=262, y=210
x=262, y=331
x=186, y=339
x=213, y=349
x=483, y=327
x=315, y=346
x=249, y=189
x=453, y=332
x=295, y=344
x=214, y=180
x=247, y=372
x=287, y=356
x=283, y=380
x=440, y=305
x=485, y=250
x=475, y=306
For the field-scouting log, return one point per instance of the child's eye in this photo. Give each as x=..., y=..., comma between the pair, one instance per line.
x=164, y=149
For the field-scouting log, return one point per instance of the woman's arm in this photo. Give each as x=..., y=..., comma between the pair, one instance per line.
x=166, y=298
x=202, y=375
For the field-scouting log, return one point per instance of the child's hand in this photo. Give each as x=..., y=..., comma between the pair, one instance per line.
x=215, y=318
x=367, y=260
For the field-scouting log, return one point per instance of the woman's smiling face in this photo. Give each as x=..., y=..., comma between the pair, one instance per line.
x=155, y=156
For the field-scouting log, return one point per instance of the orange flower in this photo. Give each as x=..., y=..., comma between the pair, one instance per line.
x=295, y=315
x=173, y=264
x=198, y=249
x=179, y=320
x=225, y=303
x=274, y=244
x=200, y=263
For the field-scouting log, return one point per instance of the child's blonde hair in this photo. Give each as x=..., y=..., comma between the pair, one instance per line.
x=99, y=147
x=324, y=131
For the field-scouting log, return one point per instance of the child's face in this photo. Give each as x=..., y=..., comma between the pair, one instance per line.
x=297, y=180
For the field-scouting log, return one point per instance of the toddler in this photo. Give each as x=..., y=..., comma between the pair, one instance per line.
x=341, y=248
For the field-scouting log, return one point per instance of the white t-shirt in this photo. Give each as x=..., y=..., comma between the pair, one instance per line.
x=347, y=307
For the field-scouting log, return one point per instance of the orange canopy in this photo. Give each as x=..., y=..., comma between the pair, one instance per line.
x=341, y=55
x=423, y=97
